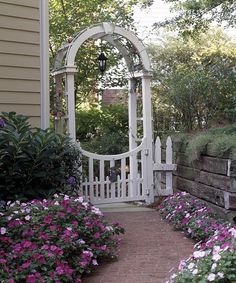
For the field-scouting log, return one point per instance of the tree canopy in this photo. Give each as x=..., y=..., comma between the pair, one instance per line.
x=194, y=16
x=194, y=81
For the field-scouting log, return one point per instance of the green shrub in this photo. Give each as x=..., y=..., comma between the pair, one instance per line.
x=34, y=163
x=103, y=130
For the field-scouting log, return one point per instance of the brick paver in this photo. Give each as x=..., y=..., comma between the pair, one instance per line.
x=150, y=252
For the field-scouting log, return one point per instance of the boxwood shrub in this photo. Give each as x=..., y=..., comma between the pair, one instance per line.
x=34, y=163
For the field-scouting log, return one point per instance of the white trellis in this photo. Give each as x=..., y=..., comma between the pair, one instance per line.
x=139, y=157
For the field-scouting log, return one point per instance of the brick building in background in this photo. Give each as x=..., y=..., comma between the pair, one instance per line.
x=114, y=96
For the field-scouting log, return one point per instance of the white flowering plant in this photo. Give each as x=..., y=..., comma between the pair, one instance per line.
x=208, y=266
x=55, y=240
x=214, y=259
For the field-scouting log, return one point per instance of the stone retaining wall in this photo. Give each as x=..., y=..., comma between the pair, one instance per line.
x=210, y=178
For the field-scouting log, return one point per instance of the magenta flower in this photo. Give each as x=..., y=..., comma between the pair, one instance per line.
x=48, y=219
x=59, y=270
x=26, y=264
x=97, y=235
x=31, y=279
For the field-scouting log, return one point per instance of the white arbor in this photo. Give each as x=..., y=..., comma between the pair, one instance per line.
x=138, y=64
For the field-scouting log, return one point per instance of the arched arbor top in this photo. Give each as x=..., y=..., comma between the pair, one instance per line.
x=125, y=41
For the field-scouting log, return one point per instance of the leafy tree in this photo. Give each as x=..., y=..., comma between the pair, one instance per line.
x=196, y=15
x=194, y=81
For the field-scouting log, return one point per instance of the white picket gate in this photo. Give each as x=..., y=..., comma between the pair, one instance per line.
x=98, y=186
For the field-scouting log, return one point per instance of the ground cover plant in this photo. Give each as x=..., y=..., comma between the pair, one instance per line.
x=34, y=163
x=218, y=142
x=55, y=240
x=214, y=258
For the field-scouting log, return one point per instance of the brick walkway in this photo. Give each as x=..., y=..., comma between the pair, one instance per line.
x=150, y=252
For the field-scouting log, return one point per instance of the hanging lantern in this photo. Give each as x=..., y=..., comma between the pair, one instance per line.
x=102, y=62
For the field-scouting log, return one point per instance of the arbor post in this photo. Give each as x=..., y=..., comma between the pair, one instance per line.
x=147, y=132
x=132, y=134
x=70, y=103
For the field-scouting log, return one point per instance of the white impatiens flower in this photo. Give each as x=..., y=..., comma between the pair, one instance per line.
x=96, y=211
x=195, y=271
x=191, y=265
x=233, y=232
x=27, y=217
x=80, y=199
x=109, y=228
x=216, y=249
x=85, y=204
x=211, y=277
x=213, y=266
x=220, y=274
x=216, y=257
x=3, y=230
x=199, y=254
x=189, y=230
x=182, y=265
x=94, y=262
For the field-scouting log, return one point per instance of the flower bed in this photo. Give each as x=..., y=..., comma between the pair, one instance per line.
x=214, y=259
x=53, y=240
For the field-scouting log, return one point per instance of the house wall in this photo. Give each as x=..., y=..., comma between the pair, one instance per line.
x=20, y=58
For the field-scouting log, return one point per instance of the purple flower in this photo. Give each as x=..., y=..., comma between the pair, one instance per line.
x=71, y=181
x=2, y=123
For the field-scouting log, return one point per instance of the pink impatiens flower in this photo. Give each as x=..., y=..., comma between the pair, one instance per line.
x=26, y=264
x=97, y=235
x=59, y=270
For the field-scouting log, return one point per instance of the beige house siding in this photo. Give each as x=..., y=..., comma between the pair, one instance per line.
x=20, y=58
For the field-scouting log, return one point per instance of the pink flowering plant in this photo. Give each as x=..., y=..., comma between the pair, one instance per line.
x=54, y=240
x=189, y=214
x=214, y=259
